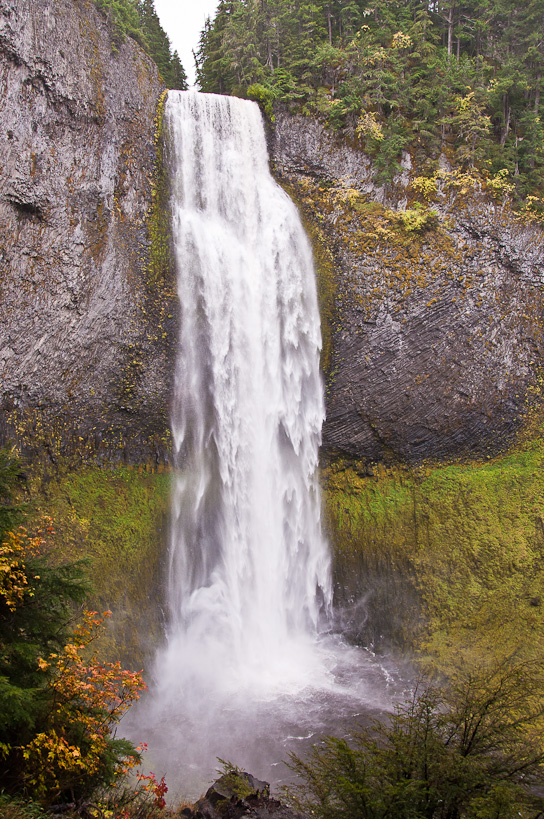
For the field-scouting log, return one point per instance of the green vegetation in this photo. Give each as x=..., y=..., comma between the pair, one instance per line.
x=13, y=807
x=59, y=700
x=472, y=749
x=160, y=257
x=57, y=709
x=35, y=610
x=462, y=79
x=12, y=479
x=116, y=518
x=234, y=784
x=138, y=19
x=446, y=556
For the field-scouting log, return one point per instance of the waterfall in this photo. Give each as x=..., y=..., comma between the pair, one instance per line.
x=249, y=567
x=248, y=672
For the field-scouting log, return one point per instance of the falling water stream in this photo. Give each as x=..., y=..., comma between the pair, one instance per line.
x=250, y=669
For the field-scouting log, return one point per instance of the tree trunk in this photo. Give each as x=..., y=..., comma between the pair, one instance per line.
x=450, y=30
x=507, y=113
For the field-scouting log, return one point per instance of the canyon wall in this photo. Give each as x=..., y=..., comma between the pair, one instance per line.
x=434, y=317
x=86, y=325
x=432, y=312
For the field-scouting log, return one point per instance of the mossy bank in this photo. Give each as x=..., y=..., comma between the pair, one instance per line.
x=435, y=559
x=116, y=519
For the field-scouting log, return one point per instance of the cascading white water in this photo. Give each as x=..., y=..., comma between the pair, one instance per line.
x=246, y=673
x=249, y=567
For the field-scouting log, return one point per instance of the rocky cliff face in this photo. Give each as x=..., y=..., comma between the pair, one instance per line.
x=436, y=316
x=84, y=331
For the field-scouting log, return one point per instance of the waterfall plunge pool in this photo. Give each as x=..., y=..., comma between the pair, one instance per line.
x=256, y=724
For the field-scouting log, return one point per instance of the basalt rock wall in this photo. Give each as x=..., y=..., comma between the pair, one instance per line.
x=85, y=331
x=433, y=320
x=435, y=302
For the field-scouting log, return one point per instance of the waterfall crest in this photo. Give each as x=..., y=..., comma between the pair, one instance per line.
x=249, y=567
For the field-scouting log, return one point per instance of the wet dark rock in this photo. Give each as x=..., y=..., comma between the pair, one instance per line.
x=237, y=794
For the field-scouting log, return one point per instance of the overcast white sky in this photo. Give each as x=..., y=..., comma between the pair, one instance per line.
x=183, y=21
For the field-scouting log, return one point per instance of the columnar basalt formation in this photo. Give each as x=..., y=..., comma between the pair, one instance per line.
x=436, y=326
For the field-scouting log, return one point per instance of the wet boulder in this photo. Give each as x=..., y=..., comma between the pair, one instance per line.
x=238, y=793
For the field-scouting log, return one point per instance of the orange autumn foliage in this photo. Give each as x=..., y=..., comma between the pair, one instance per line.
x=14, y=552
x=86, y=700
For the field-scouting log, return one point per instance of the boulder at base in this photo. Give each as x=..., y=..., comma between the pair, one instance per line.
x=238, y=793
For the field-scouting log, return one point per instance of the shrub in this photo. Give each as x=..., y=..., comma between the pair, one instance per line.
x=417, y=219
x=76, y=751
x=264, y=97
x=472, y=749
x=13, y=807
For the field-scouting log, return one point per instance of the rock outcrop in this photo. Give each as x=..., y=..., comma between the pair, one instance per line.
x=237, y=794
x=85, y=335
x=436, y=323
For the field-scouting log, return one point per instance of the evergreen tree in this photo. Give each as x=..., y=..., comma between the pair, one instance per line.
x=138, y=19
x=178, y=77
x=462, y=77
x=469, y=749
x=156, y=38
x=12, y=480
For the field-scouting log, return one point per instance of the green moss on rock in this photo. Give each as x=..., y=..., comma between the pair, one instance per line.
x=443, y=556
x=160, y=260
x=117, y=520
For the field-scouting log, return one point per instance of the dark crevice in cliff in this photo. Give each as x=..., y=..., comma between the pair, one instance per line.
x=27, y=209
